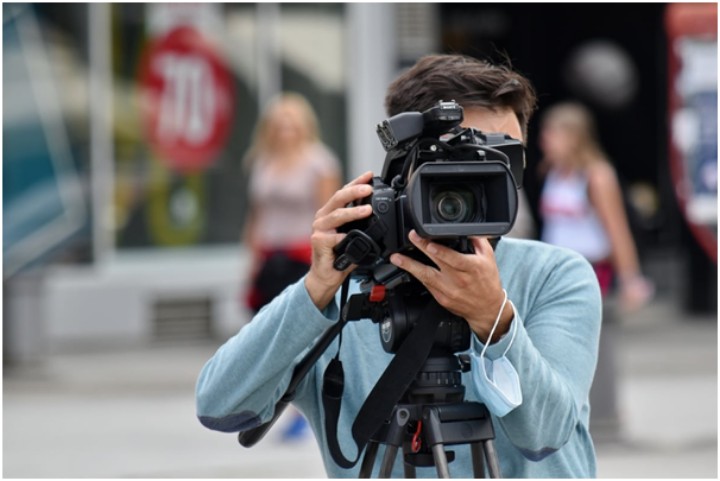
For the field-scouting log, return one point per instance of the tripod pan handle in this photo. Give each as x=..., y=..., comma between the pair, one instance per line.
x=250, y=437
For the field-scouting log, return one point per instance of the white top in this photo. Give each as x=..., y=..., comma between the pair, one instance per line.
x=286, y=201
x=569, y=218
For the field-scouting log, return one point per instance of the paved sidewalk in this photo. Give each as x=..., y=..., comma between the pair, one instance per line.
x=668, y=398
x=130, y=413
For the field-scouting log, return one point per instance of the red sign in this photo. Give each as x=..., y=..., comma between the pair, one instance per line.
x=187, y=99
x=692, y=106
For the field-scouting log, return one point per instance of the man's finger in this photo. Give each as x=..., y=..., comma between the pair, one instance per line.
x=361, y=179
x=439, y=254
x=482, y=246
x=428, y=276
x=344, y=196
x=338, y=217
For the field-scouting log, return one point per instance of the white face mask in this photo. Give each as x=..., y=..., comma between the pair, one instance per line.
x=497, y=381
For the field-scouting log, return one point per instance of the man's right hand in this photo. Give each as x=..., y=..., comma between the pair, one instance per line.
x=323, y=281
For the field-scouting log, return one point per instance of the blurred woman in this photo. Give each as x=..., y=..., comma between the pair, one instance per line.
x=582, y=205
x=582, y=209
x=292, y=175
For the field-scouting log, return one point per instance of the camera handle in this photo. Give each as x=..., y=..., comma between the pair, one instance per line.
x=356, y=248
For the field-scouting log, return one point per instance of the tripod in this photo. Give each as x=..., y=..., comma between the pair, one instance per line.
x=430, y=416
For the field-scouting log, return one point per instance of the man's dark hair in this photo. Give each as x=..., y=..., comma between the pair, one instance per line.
x=466, y=80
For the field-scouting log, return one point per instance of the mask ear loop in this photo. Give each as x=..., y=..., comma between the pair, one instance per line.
x=515, y=328
x=492, y=331
x=495, y=325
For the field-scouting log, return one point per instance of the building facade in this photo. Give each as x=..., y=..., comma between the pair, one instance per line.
x=126, y=124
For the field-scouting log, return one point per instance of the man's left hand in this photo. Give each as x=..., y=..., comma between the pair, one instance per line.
x=467, y=285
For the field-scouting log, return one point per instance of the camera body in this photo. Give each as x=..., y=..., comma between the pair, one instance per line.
x=444, y=181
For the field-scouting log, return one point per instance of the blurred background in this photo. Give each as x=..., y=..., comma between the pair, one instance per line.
x=124, y=198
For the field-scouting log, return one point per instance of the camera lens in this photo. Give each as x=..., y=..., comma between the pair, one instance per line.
x=453, y=205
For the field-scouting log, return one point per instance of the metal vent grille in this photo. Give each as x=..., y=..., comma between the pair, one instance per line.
x=417, y=29
x=182, y=318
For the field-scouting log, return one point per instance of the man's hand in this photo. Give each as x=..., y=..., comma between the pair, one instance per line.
x=467, y=285
x=323, y=281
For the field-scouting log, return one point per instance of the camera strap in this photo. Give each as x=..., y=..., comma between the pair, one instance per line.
x=387, y=392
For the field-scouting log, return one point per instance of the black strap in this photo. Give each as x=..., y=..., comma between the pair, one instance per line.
x=388, y=391
x=250, y=437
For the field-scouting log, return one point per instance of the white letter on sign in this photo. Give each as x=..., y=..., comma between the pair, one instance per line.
x=187, y=106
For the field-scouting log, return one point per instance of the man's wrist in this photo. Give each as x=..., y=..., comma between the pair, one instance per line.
x=505, y=320
x=320, y=294
x=482, y=331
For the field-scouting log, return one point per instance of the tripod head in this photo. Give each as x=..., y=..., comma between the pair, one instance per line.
x=439, y=381
x=397, y=311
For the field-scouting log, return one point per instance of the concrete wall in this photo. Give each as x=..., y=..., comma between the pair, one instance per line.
x=114, y=302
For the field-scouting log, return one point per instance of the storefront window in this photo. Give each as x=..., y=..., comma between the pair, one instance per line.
x=45, y=143
x=312, y=40
x=187, y=92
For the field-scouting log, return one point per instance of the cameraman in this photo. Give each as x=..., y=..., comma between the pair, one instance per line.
x=545, y=338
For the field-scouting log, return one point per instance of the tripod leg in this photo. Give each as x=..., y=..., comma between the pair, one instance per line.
x=368, y=460
x=433, y=436
x=492, y=460
x=394, y=440
x=440, y=459
x=478, y=460
x=408, y=469
x=388, y=461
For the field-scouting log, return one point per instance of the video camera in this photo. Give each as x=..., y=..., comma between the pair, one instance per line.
x=444, y=181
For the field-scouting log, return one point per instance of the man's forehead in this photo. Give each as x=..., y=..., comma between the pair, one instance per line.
x=498, y=120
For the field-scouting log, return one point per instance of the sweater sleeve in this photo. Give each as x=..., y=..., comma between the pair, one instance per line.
x=239, y=386
x=555, y=353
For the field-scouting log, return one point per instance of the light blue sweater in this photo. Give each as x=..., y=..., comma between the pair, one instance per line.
x=558, y=314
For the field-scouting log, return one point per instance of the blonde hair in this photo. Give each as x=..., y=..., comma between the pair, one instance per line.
x=576, y=119
x=264, y=132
